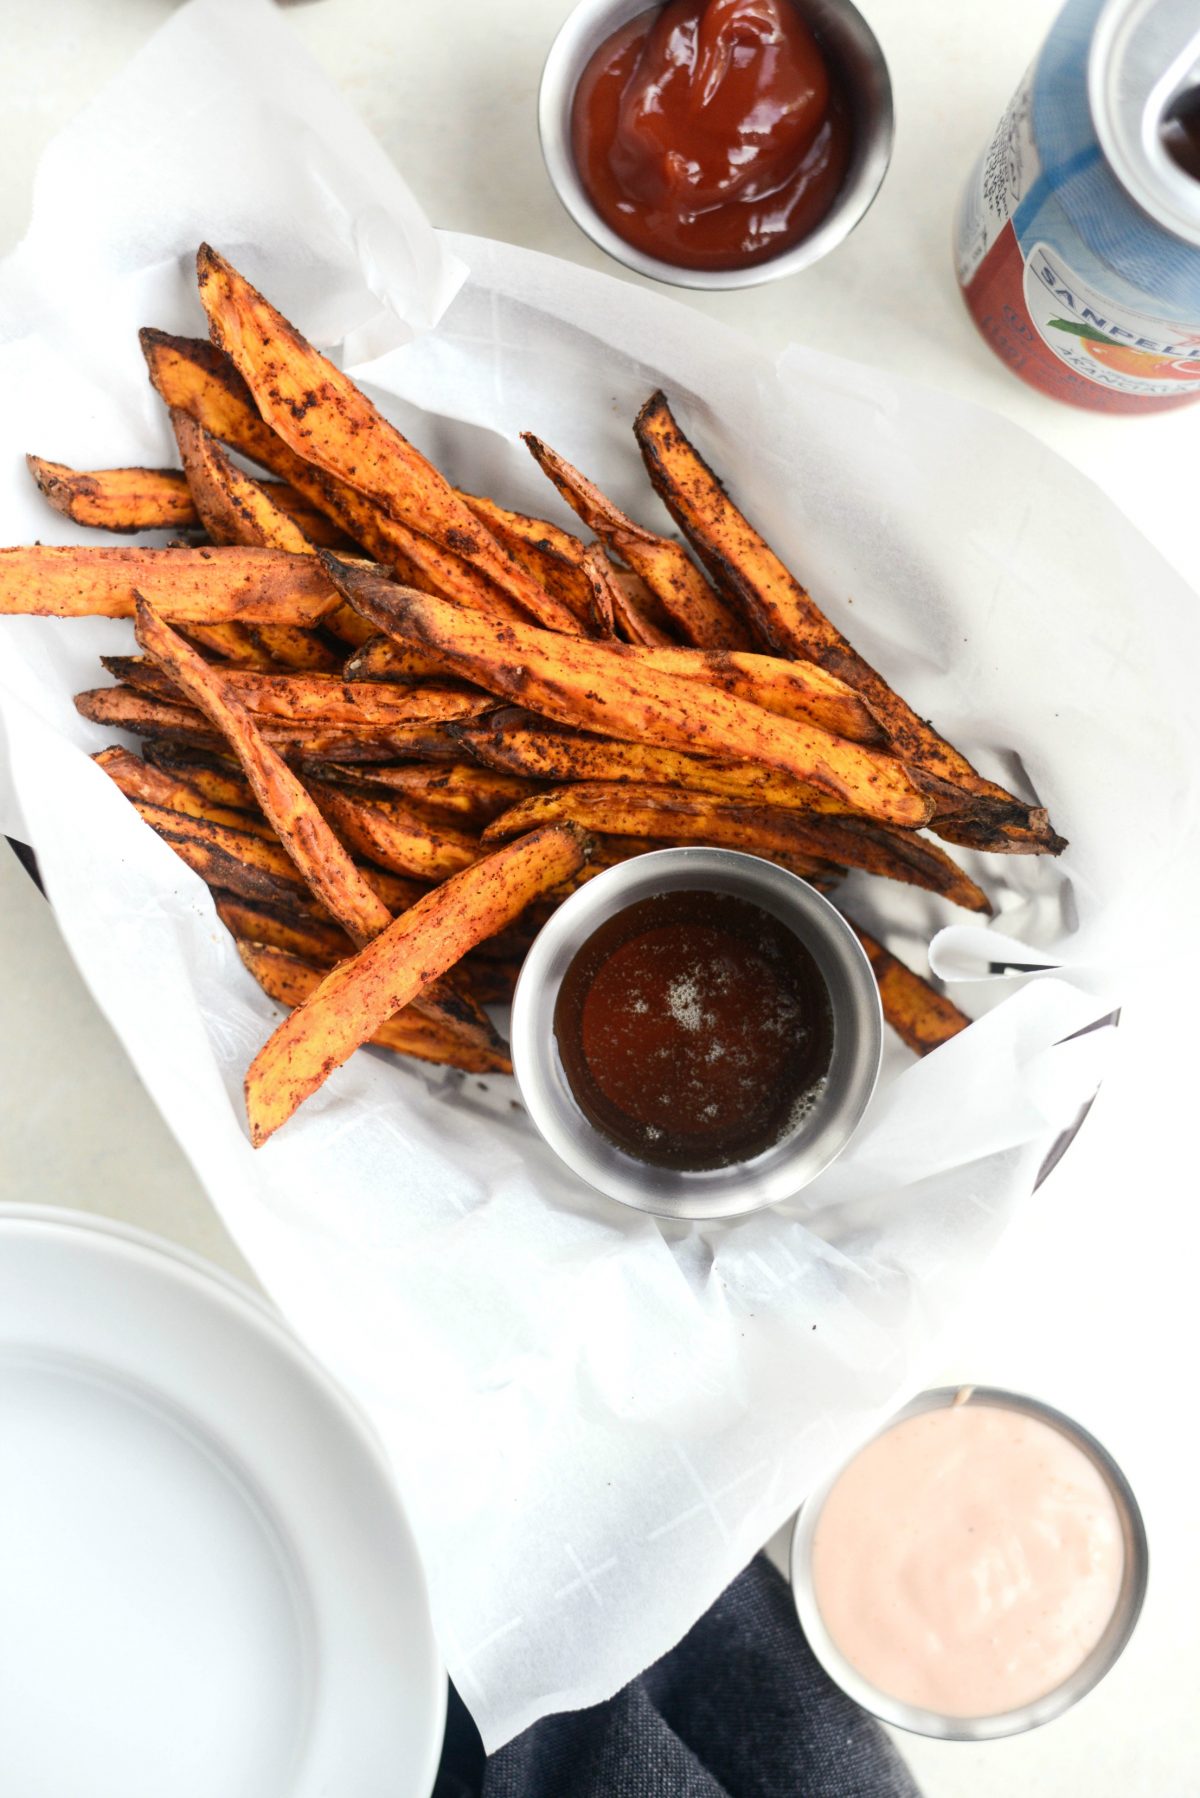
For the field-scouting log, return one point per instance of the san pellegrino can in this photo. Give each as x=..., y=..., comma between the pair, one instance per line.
x=1078, y=238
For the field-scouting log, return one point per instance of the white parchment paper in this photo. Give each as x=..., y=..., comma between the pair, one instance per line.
x=594, y=1419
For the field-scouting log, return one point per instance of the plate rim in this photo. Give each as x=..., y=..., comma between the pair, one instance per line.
x=234, y=1292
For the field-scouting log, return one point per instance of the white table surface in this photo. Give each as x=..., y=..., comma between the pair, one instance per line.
x=1079, y=1305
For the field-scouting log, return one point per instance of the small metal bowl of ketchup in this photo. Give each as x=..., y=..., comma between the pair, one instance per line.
x=696, y=1032
x=716, y=143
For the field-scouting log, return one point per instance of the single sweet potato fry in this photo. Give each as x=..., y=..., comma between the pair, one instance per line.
x=147, y=716
x=282, y=928
x=214, y=776
x=745, y=567
x=290, y=980
x=378, y=658
x=322, y=861
x=316, y=699
x=700, y=615
x=155, y=786
x=551, y=555
x=324, y=418
x=473, y=796
x=392, y=835
x=233, y=859
x=233, y=644
x=116, y=499
x=920, y=1015
x=125, y=709
x=353, y=1001
x=663, y=813
x=519, y=743
x=609, y=689
x=232, y=507
x=200, y=586
x=613, y=600
x=792, y=689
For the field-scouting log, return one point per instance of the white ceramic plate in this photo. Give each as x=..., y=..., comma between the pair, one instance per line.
x=207, y=1587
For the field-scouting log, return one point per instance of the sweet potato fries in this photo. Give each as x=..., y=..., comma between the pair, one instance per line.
x=392, y=723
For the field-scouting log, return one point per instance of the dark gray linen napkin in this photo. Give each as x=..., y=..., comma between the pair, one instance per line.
x=740, y=1709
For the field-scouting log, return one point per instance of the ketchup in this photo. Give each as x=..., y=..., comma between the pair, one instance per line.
x=694, y=1029
x=711, y=133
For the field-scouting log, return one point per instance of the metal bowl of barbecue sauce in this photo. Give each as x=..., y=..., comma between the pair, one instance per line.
x=696, y=1033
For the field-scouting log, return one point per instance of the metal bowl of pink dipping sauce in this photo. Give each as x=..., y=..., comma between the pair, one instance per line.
x=974, y=1569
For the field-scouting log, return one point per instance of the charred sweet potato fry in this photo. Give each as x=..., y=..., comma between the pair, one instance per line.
x=322, y=861
x=381, y=659
x=278, y=927
x=551, y=555
x=322, y=416
x=154, y=786
x=782, y=611
x=641, y=618
x=191, y=586
x=392, y=835
x=607, y=688
x=615, y=610
x=520, y=743
x=353, y=1001
x=317, y=699
x=232, y=507
x=230, y=643
x=116, y=499
x=233, y=859
x=290, y=980
x=662, y=812
x=920, y=1015
x=125, y=709
x=158, y=499
x=472, y=795
x=214, y=776
x=602, y=609
x=700, y=615
x=147, y=716
x=792, y=689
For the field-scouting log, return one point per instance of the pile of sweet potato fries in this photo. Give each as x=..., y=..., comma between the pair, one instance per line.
x=391, y=724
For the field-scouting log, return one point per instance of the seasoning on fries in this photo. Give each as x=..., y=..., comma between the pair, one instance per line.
x=392, y=723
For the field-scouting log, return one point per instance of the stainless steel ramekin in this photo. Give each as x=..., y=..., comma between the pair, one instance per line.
x=826, y=1127
x=851, y=45
x=1053, y=1703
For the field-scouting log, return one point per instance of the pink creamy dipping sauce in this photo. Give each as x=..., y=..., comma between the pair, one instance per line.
x=968, y=1560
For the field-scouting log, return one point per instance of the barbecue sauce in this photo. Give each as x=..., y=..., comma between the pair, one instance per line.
x=694, y=1029
x=711, y=133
